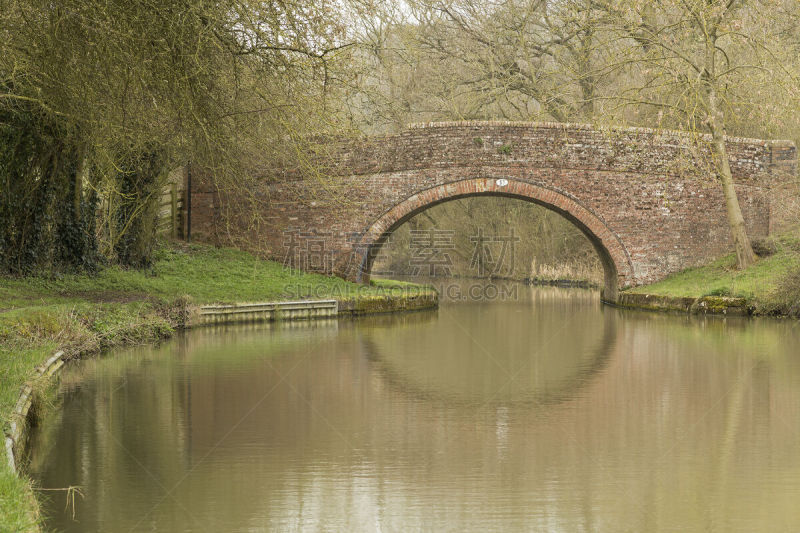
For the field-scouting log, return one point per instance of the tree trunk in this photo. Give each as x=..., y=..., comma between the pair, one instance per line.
x=744, y=250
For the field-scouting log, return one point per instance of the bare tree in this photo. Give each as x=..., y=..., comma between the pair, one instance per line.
x=473, y=59
x=699, y=63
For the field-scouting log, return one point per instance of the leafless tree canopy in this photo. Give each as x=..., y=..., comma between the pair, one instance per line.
x=99, y=100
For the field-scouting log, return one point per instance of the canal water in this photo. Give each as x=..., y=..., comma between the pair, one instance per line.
x=540, y=411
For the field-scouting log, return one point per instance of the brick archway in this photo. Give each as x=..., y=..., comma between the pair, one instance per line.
x=645, y=198
x=613, y=255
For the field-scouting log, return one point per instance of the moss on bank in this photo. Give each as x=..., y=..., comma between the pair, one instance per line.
x=771, y=286
x=85, y=315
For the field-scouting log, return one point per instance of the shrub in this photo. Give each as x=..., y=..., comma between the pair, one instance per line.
x=764, y=247
x=720, y=291
x=785, y=298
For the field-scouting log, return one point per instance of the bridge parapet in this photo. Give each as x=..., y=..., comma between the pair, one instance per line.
x=551, y=145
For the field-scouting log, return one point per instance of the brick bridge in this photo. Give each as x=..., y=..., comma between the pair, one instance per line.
x=646, y=199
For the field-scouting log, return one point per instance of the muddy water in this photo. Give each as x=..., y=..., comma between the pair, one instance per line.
x=543, y=412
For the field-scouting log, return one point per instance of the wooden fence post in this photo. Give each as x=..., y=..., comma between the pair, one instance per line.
x=188, y=206
x=173, y=192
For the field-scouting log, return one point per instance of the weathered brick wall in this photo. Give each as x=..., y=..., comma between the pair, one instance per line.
x=784, y=186
x=647, y=199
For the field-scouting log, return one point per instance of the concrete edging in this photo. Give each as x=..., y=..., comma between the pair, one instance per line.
x=705, y=305
x=263, y=312
x=19, y=416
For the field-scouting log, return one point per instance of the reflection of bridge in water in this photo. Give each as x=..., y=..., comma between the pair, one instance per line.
x=436, y=358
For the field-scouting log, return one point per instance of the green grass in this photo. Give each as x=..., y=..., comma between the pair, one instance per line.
x=204, y=273
x=766, y=283
x=17, y=510
x=84, y=314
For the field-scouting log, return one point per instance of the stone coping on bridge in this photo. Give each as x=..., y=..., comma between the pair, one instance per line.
x=592, y=127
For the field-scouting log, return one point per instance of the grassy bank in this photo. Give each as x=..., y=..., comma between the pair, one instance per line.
x=771, y=286
x=84, y=315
